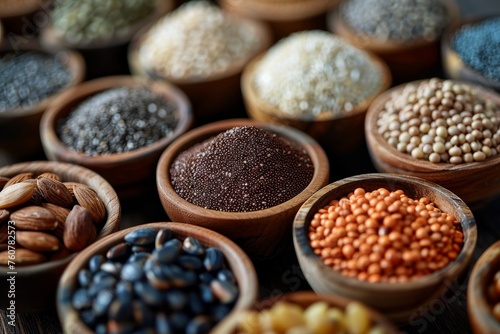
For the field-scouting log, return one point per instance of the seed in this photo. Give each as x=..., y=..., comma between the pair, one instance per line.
x=117, y=252
x=141, y=237
x=214, y=259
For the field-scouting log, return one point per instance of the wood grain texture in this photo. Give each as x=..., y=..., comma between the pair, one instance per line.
x=48, y=273
x=238, y=261
x=261, y=232
x=396, y=301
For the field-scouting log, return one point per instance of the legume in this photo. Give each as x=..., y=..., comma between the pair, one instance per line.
x=478, y=45
x=196, y=41
x=26, y=78
x=398, y=20
x=441, y=121
x=118, y=120
x=314, y=72
x=384, y=236
x=155, y=281
x=242, y=169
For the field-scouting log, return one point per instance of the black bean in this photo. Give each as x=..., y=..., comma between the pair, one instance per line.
x=123, y=327
x=101, y=329
x=141, y=237
x=214, y=259
x=166, y=254
x=206, y=294
x=163, y=324
x=140, y=257
x=148, y=294
x=199, y=325
x=190, y=262
x=95, y=262
x=225, y=292
x=226, y=275
x=84, y=278
x=104, y=278
x=173, y=243
x=192, y=246
x=132, y=272
x=176, y=299
x=124, y=291
x=102, y=302
x=88, y=317
x=112, y=268
x=120, y=309
x=141, y=249
x=81, y=299
x=118, y=252
x=196, y=305
x=179, y=320
x=142, y=314
x=163, y=236
x=206, y=277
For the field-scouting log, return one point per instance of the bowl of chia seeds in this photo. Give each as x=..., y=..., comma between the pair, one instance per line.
x=30, y=78
x=243, y=179
x=116, y=126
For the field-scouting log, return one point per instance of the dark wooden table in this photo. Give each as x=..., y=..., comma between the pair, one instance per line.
x=282, y=274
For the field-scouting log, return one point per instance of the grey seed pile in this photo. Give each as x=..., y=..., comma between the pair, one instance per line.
x=441, y=121
x=399, y=20
x=314, y=72
x=26, y=78
x=478, y=46
x=197, y=40
x=118, y=120
x=242, y=169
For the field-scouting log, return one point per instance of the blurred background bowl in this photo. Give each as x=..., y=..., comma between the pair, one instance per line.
x=22, y=16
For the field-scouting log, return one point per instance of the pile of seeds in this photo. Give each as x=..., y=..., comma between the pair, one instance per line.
x=87, y=20
x=441, y=121
x=118, y=120
x=478, y=46
x=493, y=294
x=26, y=78
x=314, y=72
x=155, y=282
x=198, y=40
x=242, y=169
x=396, y=20
x=385, y=236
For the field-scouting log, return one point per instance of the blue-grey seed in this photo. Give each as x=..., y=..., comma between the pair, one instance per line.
x=102, y=302
x=81, y=299
x=95, y=262
x=118, y=252
x=141, y=237
x=192, y=246
x=190, y=262
x=199, y=325
x=166, y=254
x=142, y=314
x=225, y=292
x=214, y=259
x=226, y=275
x=148, y=294
x=84, y=277
x=179, y=320
x=176, y=299
x=163, y=324
x=162, y=236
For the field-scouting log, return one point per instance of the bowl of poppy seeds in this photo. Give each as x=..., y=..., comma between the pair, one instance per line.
x=396, y=243
x=116, y=126
x=243, y=179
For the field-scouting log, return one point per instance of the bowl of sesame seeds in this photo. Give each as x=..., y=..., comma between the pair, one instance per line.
x=445, y=131
x=393, y=242
x=116, y=126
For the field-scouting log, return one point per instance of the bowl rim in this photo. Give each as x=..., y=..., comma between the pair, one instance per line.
x=375, y=141
x=314, y=151
x=249, y=93
x=303, y=248
x=72, y=97
x=113, y=208
x=19, y=8
x=234, y=255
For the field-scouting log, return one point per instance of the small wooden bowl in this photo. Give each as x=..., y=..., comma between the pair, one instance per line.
x=212, y=97
x=397, y=301
x=337, y=134
x=128, y=172
x=475, y=183
x=19, y=16
x=36, y=284
x=453, y=64
x=284, y=17
x=260, y=233
x=108, y=55
x=19, y=127
x=307, y=298
x=479, y=309
x=408, y=61
x=238, y=261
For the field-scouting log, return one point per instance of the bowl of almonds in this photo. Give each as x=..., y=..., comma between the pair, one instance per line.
x=49, y=211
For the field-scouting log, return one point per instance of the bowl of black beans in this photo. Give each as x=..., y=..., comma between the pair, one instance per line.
x=159, y=278
x=116, y=126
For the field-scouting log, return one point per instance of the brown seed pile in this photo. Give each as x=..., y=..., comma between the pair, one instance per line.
x=383, y=236
x=242, y=169
x=493, y=294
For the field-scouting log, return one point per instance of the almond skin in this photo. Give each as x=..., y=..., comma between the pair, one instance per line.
x=19, y=178
x=79, y=230
x=61, y=214
x=89, y=199
x=16, y=194
x=24, y=257
x=34, y=218
x=54, y=191
x=37, y=241
x=50, y=176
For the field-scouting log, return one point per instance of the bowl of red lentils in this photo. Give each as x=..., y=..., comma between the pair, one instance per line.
x=445, y=131
x=393, y=242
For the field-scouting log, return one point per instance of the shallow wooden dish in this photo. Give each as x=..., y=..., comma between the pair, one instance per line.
x=479, y=309
x=399, y=302
x=337, y=134
x=408, y=61
x=474, y=182
x=453, y=64
x=260, y=233
x=19, y=127
x=36, y=284
x=128, y=172
x=238, y=261
x=19, y=16
x=211, y=97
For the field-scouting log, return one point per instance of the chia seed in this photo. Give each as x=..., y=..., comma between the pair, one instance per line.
x=240, y=170
x=118, y=120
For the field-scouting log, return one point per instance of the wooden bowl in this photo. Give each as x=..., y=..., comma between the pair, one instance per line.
x=453, y=65
x=36, y=284
x=128, y=172
x=238, y=261
x=475, y=183
x=283, y=16
x=260, y=233
x=19, y=127
x=20, y=17
x=108, y=55
x=479, y=309
x=337, y=134
x=213, y=97
x=407, y=61
x=399, y=302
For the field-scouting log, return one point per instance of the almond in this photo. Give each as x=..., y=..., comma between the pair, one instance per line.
x=16, y=194
x=69, y=186
x=54, y=192
x=23, y=257
x=37, y=241
x=36, y=198
x=61, y=214
x=50, y=176
x=4, y=214
x=79, y=230
x=88, y=198
x=61, y=253
x=19, y=178
x=4, y=228
x=34, y=218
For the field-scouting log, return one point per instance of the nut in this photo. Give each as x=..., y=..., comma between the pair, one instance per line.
x=61, y=214
x=50, y=176
x=18, y=178
x=34, y=218
x=23, y=257
x=69, y=186
x=54, y=192
x=16, y=194
x=37, y=241
x=4, y=214
x=79, y=231
x=36, y=198
x=3, y=233
x=89, y=199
